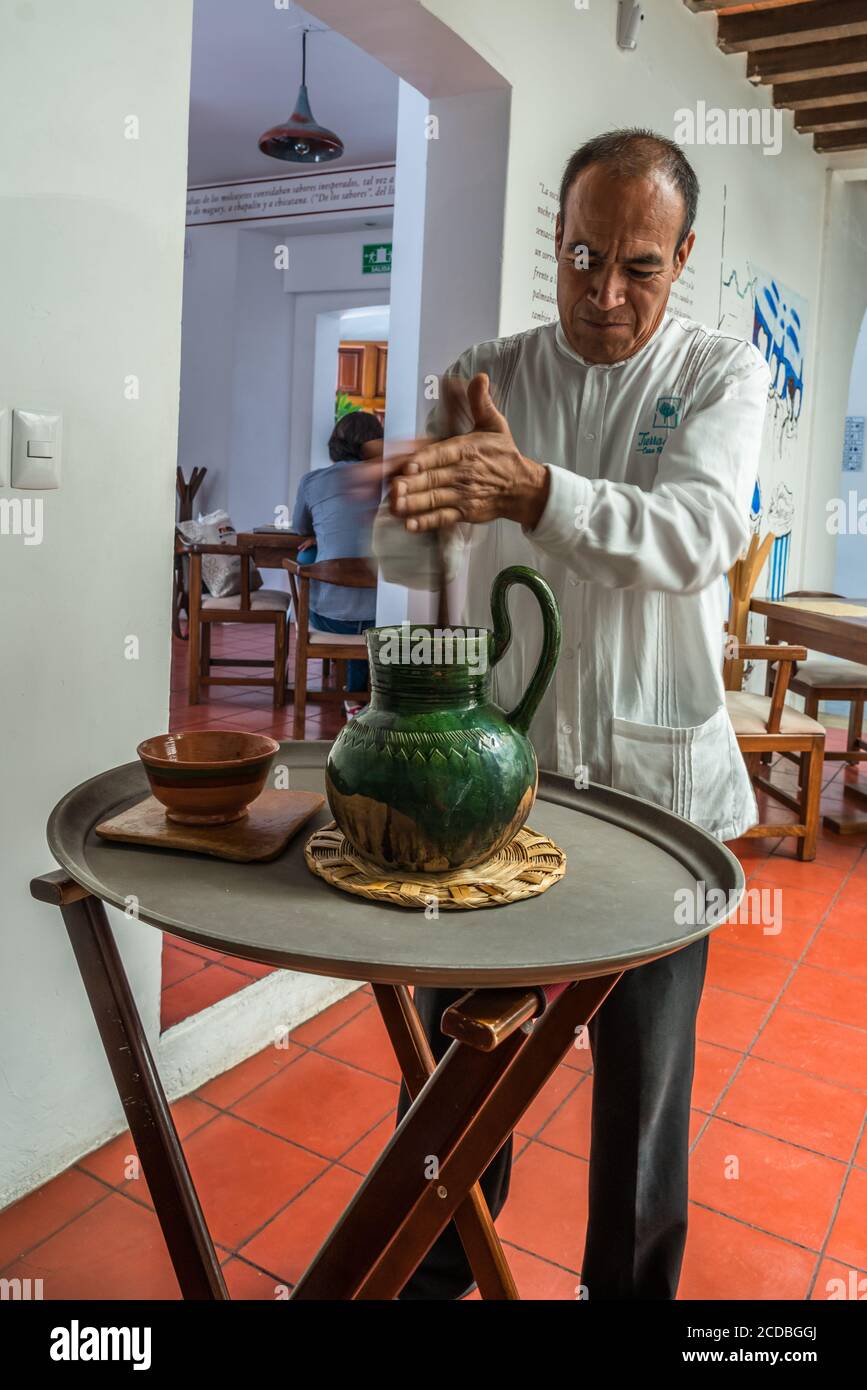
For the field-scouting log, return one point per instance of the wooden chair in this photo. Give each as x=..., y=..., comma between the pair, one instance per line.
x=186, y=494
x=311, y=645
x=765, y=725
x=256, y=606
x=822, y=678
x=743, y=577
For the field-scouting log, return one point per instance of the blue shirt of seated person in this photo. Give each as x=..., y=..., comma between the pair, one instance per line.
x=341, y=522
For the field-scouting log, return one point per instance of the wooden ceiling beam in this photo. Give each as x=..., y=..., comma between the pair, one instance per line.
x=833, y=59
x=822, y=91
x=791, y=25
x=813, y=118
x=719, y=6
x=828, y=141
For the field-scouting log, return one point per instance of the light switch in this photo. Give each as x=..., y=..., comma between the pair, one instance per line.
x=36, y=444
x=5, y=444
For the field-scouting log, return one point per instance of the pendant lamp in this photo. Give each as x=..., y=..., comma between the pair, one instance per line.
x=301, y=140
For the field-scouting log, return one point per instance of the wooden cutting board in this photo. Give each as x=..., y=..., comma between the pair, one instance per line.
x=271, y=821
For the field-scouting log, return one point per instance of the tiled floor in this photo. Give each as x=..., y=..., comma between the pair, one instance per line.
x=278, y=1145
x=194, y=977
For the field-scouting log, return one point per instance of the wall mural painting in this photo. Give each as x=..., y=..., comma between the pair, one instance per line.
x=759, y=306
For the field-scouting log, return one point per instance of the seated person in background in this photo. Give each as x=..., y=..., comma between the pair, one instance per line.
x=330, y=508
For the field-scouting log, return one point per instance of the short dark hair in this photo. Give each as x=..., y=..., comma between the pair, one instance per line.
x=633, y=152
x=352, y=430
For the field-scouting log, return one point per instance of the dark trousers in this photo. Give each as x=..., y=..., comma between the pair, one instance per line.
x=642, y=1041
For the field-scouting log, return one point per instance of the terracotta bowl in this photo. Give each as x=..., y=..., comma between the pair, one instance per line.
x=207, y=776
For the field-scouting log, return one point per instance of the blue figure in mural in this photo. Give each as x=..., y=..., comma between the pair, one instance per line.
x=781, y=512
x=777, y=335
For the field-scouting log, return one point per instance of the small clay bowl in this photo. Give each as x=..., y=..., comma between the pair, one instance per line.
x=207, y=776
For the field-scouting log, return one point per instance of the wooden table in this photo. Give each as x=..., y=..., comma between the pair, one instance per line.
x=836, y=634
x=270, y=548
x=618, y=907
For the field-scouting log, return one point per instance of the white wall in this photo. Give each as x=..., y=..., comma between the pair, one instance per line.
x=248, y=344
x=91, y=250
x=850, y=569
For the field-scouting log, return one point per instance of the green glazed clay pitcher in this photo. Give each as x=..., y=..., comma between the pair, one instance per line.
x=433, y=776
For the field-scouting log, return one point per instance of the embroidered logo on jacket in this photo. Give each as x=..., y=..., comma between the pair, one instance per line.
x=666, y=417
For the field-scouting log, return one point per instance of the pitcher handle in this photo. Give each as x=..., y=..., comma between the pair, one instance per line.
x=521, y=716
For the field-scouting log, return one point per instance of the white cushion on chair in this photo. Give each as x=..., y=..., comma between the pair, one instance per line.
x=338, y=639
x=750, y=713
x=819, y=671
x=262, y=598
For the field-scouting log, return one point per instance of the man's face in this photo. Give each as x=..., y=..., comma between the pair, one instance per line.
x=629, y=227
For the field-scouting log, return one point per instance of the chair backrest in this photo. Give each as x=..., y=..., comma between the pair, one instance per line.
x=194, y=550
x=349, y=574
x=743, y=577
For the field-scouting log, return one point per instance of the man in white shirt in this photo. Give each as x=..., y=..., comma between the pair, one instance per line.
x=615, y=452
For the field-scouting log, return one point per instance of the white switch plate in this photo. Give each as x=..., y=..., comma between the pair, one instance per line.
x=5, y=445
x=36, y=443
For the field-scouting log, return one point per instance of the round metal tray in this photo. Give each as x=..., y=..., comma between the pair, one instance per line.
x=615, y=908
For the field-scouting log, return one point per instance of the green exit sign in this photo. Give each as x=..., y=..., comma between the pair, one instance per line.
x=376, y=258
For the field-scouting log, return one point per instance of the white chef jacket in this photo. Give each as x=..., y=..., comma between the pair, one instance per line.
x=653, y=462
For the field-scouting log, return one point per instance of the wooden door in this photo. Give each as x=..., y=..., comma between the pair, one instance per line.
x=361, y=375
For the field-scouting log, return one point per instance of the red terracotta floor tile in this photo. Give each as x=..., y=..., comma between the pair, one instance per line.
x=729, y=1020
x=833, y=950
x=199, y=992
x=244, y=1176
x=861, y=1155
x=549, y=1100
x=362, y=1156
x=847, y=919
x=832, y=850
x=42, y=1212
x=206, y=952
x=569, y=1127
x=853, y=894
x=832, y=1051
x=113, y=1251
x=252, y=1285
x=727, y=1260
x=364, y=1043
x=777, y=1188
x=546, y=1213
x=230, y=1086
x=538, y=1280
x=179, y=965
x=788, y=943
x=579, y=1057
x=117, y=1162
x=848, y=1242
x=746, y=971
x=824, y=992
x=836, y=1282
x=312, y=1032
x=799, y=904
x=714, y=1068
x=322, y=1104
x=797, y=1108
x=288, y=1243
x=823, y=879
x=252, y=719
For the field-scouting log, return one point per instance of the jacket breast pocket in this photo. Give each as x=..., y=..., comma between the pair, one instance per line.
x=688, y=771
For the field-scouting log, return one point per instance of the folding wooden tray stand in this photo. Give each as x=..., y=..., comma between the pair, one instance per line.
x=629, y=864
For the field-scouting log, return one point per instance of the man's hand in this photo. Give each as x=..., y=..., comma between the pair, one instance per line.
x=473, y=477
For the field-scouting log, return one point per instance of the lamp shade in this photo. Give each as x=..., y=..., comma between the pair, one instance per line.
x=301, y=140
